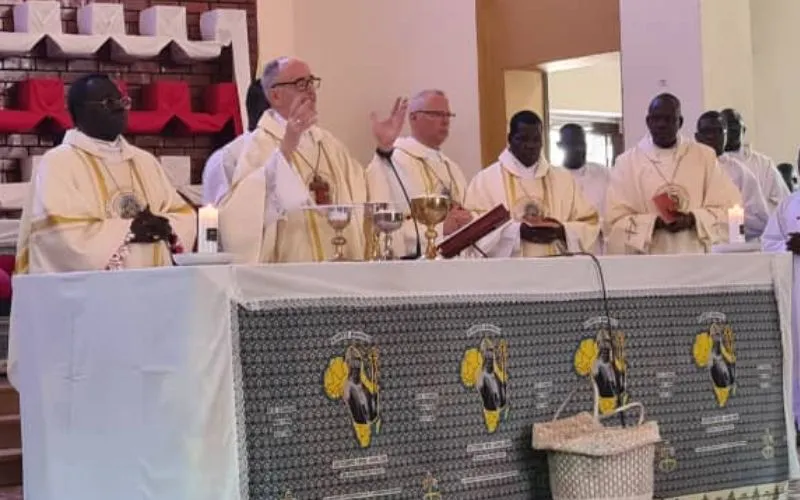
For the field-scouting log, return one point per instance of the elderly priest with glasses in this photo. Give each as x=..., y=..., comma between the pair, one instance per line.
x=288, y=165
x=97, y=202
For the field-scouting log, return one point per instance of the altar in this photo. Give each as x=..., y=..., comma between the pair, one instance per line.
x=364, y=380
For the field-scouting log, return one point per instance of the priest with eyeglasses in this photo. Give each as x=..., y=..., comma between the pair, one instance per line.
x=97, y=202
x=288, y=167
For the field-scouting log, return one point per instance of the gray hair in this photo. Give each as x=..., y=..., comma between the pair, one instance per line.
x=271, y=72
x=417, y=102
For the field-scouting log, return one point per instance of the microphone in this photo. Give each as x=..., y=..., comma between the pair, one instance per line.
x=388, y=158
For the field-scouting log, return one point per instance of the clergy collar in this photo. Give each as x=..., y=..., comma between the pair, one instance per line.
x=649, y=148
x=415, y=148
x=275, y=124
x=118, y=151
x=515, y=167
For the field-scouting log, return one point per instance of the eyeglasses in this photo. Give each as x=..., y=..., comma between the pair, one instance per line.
x=436, y=114
x=112, y=104
x=301, y=84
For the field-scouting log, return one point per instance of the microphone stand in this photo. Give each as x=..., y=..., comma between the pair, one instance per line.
x=418, y=252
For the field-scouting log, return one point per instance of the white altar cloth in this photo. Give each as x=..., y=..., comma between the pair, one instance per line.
x=126, y=378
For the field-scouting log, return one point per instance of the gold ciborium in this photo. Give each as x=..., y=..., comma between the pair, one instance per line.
x=372, y=233
x=430, y=210
x=387, y=222
x=338, y=217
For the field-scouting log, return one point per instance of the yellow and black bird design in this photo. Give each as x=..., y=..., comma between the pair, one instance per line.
x=715, y=350
x=485, y=369
x=354, y=380
x=603, y=359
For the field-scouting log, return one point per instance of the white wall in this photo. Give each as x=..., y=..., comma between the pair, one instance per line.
x=596, y=88
x=368, y=52
x=728, y=57
x=661, y=52
x=776, y=76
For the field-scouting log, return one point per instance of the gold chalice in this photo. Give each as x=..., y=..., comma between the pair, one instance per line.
x=372, y=233
x=388, y=221
x=430, y=210
x=338, y=217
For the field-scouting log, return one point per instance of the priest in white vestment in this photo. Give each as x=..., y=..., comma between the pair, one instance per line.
x=772, y=185
x=664, y=165
x=97, y=202
x=219, y=168
x=711, y=131
x=419, y=166
x=783, y=235
x=590, y=177
x=288, y=170
x=550, y=214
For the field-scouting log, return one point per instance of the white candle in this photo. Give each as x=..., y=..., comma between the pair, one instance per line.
x=736, y=225
x=207, y=229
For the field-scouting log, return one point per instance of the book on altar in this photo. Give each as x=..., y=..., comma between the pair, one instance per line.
x=474, y=231
x=666, y=206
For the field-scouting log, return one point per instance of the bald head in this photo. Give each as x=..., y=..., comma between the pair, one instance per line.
x=286, y=79
x=664, y=120
x=734, y=125
x=711, y=131
x=429, y=117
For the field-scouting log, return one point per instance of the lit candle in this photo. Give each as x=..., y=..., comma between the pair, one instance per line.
x=207, y=229
x=736, y=225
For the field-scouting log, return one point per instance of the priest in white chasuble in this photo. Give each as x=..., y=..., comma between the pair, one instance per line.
x=549, y=212
x=711, y=131
x=667, y=194
x=97, y=202
x=288, y=168
x=419, y=167
x=769, y=178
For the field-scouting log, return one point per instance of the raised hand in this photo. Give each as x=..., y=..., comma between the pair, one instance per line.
x=302, y=117
x=387, y=131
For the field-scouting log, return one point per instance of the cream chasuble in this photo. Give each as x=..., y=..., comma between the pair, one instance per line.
x=265, y=216
x=690, y=175
x=423, y=171
x=82, y=190
x=540, y=189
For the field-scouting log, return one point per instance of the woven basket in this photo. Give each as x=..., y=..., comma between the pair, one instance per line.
x=588, y=461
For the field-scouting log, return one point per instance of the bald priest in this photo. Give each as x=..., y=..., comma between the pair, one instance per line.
x=288, y=167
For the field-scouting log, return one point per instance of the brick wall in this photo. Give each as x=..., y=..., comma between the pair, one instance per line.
x=198, y=75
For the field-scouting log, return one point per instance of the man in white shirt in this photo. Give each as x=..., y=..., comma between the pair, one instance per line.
x=769, y=179
x=711, y=132
x=591, y=177
x=219, y=168
x=422, y=168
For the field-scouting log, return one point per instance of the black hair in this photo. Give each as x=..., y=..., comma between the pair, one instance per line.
x=79, y=90
x=256, y=103
x=525, y=117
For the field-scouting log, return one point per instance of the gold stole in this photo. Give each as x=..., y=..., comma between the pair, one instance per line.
x=429, y=177
x=510, y=186
x=312, y=226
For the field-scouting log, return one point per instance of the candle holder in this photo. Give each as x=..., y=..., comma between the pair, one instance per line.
x=387, y=222
x=338, y=217
x=430, y=211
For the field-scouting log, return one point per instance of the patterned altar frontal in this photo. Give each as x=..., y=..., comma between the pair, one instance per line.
x=435, y=398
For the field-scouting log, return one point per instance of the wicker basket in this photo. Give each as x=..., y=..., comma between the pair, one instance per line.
x=588, y=461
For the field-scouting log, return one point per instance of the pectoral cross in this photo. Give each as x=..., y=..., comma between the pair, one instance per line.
x=321, y=190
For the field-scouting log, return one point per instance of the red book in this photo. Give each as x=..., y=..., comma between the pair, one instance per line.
x=474, y=231
x=666, y=206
